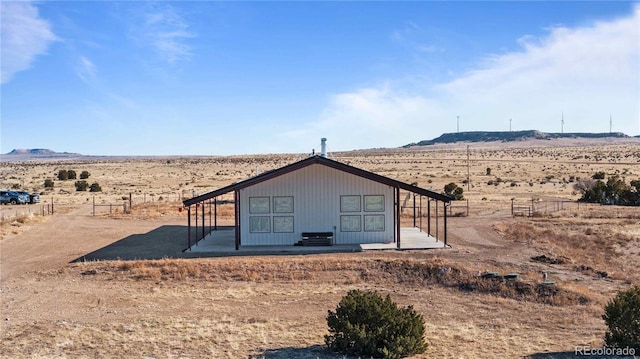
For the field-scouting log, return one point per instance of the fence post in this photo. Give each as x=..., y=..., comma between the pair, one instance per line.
x=533, y=207
x=94, y=206
x=467, y=207
x=130, y=201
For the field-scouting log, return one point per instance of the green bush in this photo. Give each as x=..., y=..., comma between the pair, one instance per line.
x=48, y=183
x=454, y=191
x=614, y=191
x=95, y=187
x=63, y=175
x=622, y=316
x=72, y=174
x=85, y=174
x=367, y=324
x=81, y=186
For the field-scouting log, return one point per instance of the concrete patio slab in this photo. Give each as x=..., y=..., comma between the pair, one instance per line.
x=222, y=242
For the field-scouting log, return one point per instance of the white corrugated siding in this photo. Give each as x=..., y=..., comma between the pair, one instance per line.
x=316, y=190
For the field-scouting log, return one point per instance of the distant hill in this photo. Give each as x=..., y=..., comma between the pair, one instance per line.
x=36, y=154
x=484, y=136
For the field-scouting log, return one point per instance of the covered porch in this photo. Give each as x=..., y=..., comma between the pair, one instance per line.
x=222, y=242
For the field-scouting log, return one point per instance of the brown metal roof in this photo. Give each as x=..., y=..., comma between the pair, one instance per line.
x=322, y=161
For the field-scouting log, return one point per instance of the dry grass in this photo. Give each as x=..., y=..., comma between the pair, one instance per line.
x=12, y=225
x=601, y=248
x=406, y=272
x=276, y=307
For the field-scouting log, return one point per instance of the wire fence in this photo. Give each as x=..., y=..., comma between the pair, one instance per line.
x=539, y=206
x=101, y=206
x=11, y=213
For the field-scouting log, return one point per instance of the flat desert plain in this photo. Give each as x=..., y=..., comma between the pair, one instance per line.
x=55, y=304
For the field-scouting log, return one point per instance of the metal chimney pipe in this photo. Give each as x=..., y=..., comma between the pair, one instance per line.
x=323, y=147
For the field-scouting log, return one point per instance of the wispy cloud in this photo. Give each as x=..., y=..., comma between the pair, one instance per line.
x=586, y=72
x=407, y=30
x=167, y=32
x=86, y=70
x=25, y=35
x=412, y=36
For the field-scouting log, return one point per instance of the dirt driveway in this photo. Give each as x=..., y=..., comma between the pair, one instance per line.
x=79, y=235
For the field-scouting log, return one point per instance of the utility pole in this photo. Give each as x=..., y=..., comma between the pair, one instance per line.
x=468, y=177
x=510, y=124
x=562, y=124
x=458, y=124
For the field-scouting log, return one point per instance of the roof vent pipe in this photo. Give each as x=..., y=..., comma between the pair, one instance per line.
x=323, y=147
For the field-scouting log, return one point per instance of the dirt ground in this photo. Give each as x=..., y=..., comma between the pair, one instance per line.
x=59, y=300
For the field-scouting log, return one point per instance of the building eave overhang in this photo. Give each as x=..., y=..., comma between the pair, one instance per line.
x=308, y=162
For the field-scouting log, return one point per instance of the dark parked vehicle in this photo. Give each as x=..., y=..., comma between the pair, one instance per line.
x=11, y=197
x=31, y=197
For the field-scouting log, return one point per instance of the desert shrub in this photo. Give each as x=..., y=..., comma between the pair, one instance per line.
x=454, y=191
x=598, y=176
x=367, y=324
x=488, y=171
x=15, y=186
x=48, y=183
x=71, y=174
x=95, y=187
x=622, y=316
x=614, y=191
x=63, y=175
x=84, y=175
x=81, y=186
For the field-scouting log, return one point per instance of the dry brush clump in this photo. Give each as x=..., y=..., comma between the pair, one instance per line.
x=348, y=270
x=15, y=224
x=598, y=247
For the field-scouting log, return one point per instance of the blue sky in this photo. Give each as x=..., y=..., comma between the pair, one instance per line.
x=224, y=78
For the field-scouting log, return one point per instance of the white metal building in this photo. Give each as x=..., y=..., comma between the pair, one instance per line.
x=315, y=194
